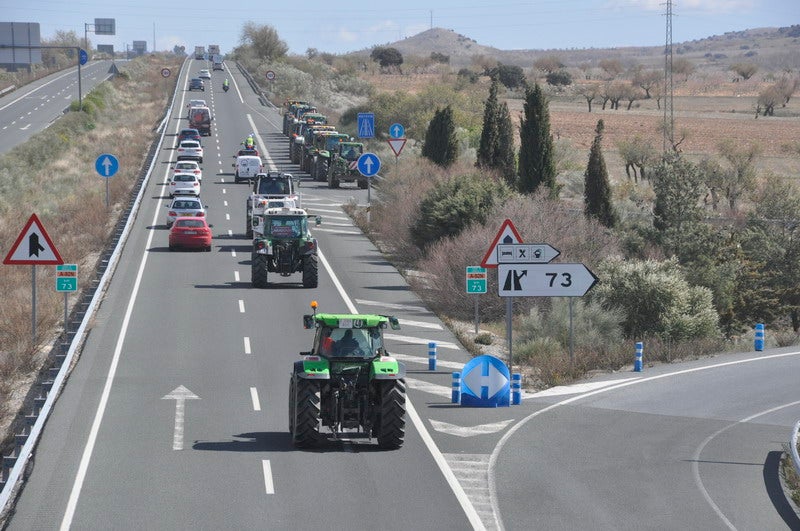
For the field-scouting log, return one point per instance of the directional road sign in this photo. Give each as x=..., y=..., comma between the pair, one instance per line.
x=397, y=131
x=369, y=164
x=485, y=382
x=397, y=145
x=526, y=253
x=106, y=165
x=67, y=277
x=544, y=280
x=506, y=235
x=83, y=57
x=366, y=125
x=33, y=246
x=476, y=279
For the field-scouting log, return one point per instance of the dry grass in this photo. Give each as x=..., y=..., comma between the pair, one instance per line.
x=73, y=211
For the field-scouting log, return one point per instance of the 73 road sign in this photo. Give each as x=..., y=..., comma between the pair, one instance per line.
x=67, y=277
x=476, y=279
x=544, y=280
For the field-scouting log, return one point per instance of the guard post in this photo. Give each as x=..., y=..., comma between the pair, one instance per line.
x=758, y=342
x=637, y=363
x=516, y=389
x=455, y=397
x=432, y=355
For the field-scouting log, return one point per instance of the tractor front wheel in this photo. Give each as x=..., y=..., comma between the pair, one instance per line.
x=392, y=423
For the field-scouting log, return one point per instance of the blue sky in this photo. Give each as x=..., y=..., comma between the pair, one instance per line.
x=346, y=25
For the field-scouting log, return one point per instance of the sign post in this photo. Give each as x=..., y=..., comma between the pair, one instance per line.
x=106, y=166
x=33, y=247
x=368, y=165
x=476, y=283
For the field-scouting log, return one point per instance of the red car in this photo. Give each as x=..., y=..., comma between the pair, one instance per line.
x=190, y=233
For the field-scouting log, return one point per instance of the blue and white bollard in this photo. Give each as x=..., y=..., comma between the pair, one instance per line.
x=758, y=342
x=455, y=397
x=516, y=389
x=637, y=363
x=432, y=355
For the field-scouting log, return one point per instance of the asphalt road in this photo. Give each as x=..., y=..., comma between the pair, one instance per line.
x=682, y=446
x=33, y=107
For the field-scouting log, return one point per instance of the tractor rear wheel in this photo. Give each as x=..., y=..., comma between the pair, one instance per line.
x=304, y=414
x=248, y=228
x=310, y=271
x=392, y=423
x=259, y=271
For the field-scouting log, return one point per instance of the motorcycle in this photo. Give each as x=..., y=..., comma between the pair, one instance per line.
x=225, y=88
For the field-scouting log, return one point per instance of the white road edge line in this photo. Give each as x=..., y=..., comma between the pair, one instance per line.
x=458, y=490
x=254, y=398
x=83, y=467
x=268, y=484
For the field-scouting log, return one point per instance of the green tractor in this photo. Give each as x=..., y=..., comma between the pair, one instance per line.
x=348, y=383
x=300, y=129
x=325, y=144
x=294, y=109
x=343, y=167
x=283, y=244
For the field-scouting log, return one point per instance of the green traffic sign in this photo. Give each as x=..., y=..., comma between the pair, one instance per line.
x=67, y=277
x=476, y=279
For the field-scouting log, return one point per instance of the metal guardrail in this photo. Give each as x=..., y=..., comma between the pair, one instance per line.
x=7, y=90
x=27, y=442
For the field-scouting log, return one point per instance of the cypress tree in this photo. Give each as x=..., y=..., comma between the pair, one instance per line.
x=505, y=157
x=487, y=148
x=441, y=145
x=597, y=190
x=536, y=164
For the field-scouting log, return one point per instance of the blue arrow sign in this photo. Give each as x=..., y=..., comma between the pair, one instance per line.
x=366, y=125
x=83, y=57
x=397, y=131
x=485, y=382
x=106, y=165
x=369, y=164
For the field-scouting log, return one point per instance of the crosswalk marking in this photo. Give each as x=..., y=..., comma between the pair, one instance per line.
x=420, y=341
x=424, y=361
x=427, y=387
x=391, y=306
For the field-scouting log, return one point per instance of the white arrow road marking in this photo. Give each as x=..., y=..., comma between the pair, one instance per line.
x=180, y=394
x=268, y=484
x=472, y=472
x=469, y=431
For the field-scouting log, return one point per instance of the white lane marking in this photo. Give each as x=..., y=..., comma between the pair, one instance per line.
x=696, y=460
x=577, y=388
x=455, y=486
x=247, y=345
x=227, y=216
x=230, y=232
x=233, y=253
x=83, y=467
x=225, y=203
x=222, y=179
x=420, y=341
x=339, y=224
x=469, y=431
x=420, y=324
x=426, y=387
x=223, y=191
x=406, y=307
x=504, y=439
x=24, y=128
x=336, y=231
x=424, y=361
x=236, y=276
x=254, y=398
x=241, y=306
x=472, y=471
x=337, y=211
x=270, y=163
x=70, y=73
x=268, y=484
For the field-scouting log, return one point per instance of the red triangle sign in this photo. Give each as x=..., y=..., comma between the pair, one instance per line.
x=397, y=145
x=507, y=234
x=33, y=246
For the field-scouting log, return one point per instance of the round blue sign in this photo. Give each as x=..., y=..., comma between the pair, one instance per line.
x=83, y=57
x=397, y=131
x=369, y=164
x=106, y=165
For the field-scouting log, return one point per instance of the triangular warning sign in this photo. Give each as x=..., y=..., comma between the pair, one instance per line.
x=113, y=70
x=33, y=246
x=507, y=234
x=397, y=145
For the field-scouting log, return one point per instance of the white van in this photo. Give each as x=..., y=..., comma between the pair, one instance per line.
x=247, y=167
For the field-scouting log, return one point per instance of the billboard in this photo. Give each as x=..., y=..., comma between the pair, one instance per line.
x=104, y=26
x=106, y=48
x=139, y=47
x=16, y=38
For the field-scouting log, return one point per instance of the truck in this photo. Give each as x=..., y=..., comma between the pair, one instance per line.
x=213, y=51
x=199, y=52
x=347, y=383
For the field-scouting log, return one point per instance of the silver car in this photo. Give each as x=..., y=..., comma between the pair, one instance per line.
x=185, y=207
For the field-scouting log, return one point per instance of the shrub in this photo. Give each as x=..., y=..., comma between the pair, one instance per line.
x=559, y=78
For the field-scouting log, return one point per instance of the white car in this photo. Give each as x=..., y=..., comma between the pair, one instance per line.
x=182, y=207
x=189, y=166
x=184, y=184
x=204, y=74
x=194, y=103
x=190, y=150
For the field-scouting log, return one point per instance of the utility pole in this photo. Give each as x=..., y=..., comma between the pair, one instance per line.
x=669, y=117
x=154, y=37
